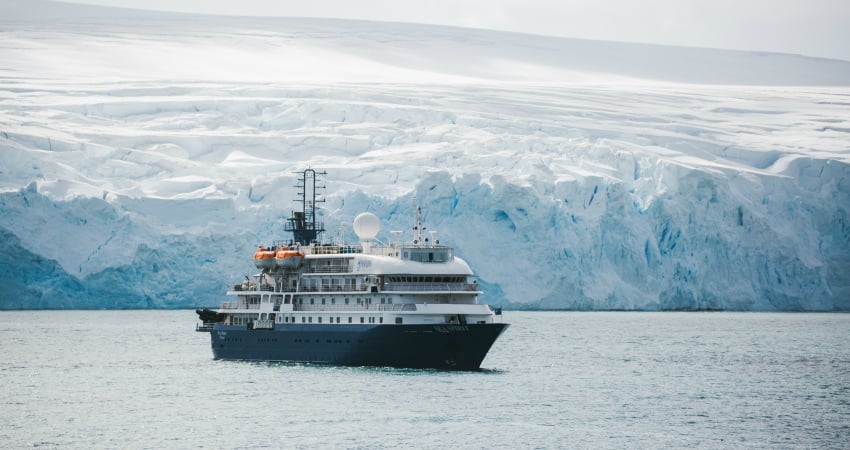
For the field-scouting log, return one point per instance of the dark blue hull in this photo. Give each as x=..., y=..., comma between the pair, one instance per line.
x=454, y=347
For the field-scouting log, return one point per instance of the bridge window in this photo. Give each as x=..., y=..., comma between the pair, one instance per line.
x=428, y=255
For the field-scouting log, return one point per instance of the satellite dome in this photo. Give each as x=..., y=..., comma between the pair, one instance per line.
x=366, y=226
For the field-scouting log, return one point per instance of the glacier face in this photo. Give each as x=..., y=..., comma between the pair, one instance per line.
x=130, y=187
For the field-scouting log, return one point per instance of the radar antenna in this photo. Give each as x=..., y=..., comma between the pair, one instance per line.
x=303, y=225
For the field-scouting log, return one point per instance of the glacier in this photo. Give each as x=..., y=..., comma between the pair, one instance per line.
x=143, y=156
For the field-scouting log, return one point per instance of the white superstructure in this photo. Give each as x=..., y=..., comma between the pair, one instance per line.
x=418, y=282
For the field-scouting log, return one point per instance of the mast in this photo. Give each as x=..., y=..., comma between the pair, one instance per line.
x=303, y=225
x=417, y=227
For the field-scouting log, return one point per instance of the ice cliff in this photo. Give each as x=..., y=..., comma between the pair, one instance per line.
x=144, y=155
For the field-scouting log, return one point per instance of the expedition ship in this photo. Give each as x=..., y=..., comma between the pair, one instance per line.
x=402, y=304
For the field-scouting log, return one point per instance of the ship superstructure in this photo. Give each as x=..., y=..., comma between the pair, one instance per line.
x=401, y=304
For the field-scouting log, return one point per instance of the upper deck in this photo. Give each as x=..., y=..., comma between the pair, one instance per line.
x=385, y=261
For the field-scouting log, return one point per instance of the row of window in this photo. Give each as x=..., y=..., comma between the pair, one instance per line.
x=244, y=319
x=427, y=254
x=309, y=319
x=425, y=279
x=346, y=300
x=327, y=341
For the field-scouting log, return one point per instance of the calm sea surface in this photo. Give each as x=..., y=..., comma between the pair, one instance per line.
x=146, y=379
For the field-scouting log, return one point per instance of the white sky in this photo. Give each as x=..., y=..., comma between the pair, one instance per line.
x=809, y=27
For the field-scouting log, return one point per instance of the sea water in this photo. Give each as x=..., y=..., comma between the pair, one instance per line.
x=146, y=379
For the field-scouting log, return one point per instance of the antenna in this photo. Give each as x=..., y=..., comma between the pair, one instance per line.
x=417, y=227
x=397, y=235
x=340, y=237
x=302, y=224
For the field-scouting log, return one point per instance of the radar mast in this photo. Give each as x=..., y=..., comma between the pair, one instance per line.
x=303, y=225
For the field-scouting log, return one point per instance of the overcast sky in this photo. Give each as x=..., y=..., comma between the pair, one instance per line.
x=809, y=27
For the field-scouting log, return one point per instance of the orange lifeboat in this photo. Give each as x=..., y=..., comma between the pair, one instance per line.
x=289, y=259
x=264, y=258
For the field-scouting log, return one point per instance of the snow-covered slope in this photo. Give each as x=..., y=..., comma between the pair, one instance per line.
x=144, y=155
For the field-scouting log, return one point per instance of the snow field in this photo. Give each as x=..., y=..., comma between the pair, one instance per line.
x=143, y=156
x=598, y=197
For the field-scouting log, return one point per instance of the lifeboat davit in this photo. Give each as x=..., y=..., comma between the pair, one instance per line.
x=264, y=258
x=289, y=259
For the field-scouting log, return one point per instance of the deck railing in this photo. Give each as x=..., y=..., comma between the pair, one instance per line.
x=336, y=268
x=363, y=307
x=388, y=287
x=332, y=289
x=263, y=324
x=440, y=287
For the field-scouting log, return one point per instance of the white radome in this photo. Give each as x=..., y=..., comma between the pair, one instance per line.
x=366, y=226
